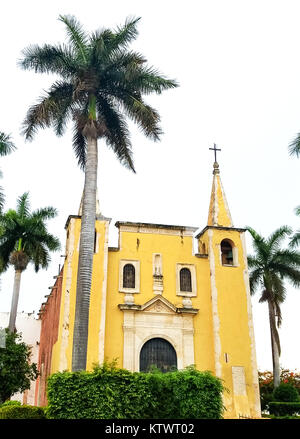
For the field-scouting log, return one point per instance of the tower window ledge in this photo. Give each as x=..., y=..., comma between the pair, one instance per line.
x=201, y=255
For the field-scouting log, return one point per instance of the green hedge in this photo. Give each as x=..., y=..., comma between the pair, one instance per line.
x=21, y=412
x=284, y=408
x=111, y=393
x=285, y=393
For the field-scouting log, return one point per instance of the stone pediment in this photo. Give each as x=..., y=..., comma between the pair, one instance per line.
x=159, y=305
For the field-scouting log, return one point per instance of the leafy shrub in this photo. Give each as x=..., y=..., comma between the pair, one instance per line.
x=279, y=408
x=186, y=394
x=10, y=403
x=16, y=370
x=21, y=412
x=286, y=393
x=111, y=393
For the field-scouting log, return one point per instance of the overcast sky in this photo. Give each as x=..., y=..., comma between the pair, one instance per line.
x=238, y=66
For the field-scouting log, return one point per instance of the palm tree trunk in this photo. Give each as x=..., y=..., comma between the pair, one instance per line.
x=275, y=345
x=15, y=300
x=85, y=263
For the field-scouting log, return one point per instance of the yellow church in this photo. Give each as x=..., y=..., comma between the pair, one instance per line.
x=157, y=301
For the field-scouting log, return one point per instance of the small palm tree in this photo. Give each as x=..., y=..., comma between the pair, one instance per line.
x=6, y=147
x=101, y=84
x=269, y=268
x=23, y=239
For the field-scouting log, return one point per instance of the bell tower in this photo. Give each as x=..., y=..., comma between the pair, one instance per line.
x=233, y=334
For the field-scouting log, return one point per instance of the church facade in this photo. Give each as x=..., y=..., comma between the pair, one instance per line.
x=155, y=300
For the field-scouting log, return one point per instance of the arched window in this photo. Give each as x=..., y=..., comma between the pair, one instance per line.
x=185, y=280
x=159, y=353
x=226, y=252
x=128, y=276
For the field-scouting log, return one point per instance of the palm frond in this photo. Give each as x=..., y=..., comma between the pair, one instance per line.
x=294, y=147
x=278, y=289
x=77, y=37
x=57, y=59
x=286, y=257
x=6, y=144
x=295, y=239
x=116, y=132
x=149, y=80
x=278, y=315
x=125, y=34
x=44, y=214
x=265, y=296
x=23, y=205
x=255, y=279
x=297, y=210
x=260, y=245
x=79, y=141
x=53, y=108
x=275, y=239
x=144, y=116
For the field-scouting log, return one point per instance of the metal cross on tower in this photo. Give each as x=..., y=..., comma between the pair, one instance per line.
x=215, y=149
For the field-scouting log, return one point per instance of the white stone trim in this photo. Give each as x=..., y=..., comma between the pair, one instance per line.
x=214, y=298
x=158, y=319
x=104, y=295
x=192, y=269
x=136, y=265
x=158, y=230
x=70, y=249
x=257, y=404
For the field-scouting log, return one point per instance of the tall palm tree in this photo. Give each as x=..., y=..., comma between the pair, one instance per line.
x=6, y=147
x=271, y=265
x=101, y=84
x=24, y=238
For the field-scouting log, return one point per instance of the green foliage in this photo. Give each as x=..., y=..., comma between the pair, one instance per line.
x=111, y=393
x=266, y=385
x=185, y=394
x=10, y=403
x=279, y=408
x=16, y=371
x=24, y=233
x=286, y=393
x=21, y=412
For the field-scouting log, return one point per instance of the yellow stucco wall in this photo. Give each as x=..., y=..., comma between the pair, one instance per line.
x=174, y=249
x=62, y=351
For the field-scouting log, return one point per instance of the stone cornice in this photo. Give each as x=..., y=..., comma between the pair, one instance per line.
x=126, y=226
x=236, y=229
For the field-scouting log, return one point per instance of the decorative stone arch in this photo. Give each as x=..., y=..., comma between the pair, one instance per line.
x=157, y=318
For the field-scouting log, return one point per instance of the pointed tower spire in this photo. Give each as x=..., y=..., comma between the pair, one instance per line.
x=97, y=205
x=219, y=214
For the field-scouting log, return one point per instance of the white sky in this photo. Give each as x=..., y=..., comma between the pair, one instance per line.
x=238, y=66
